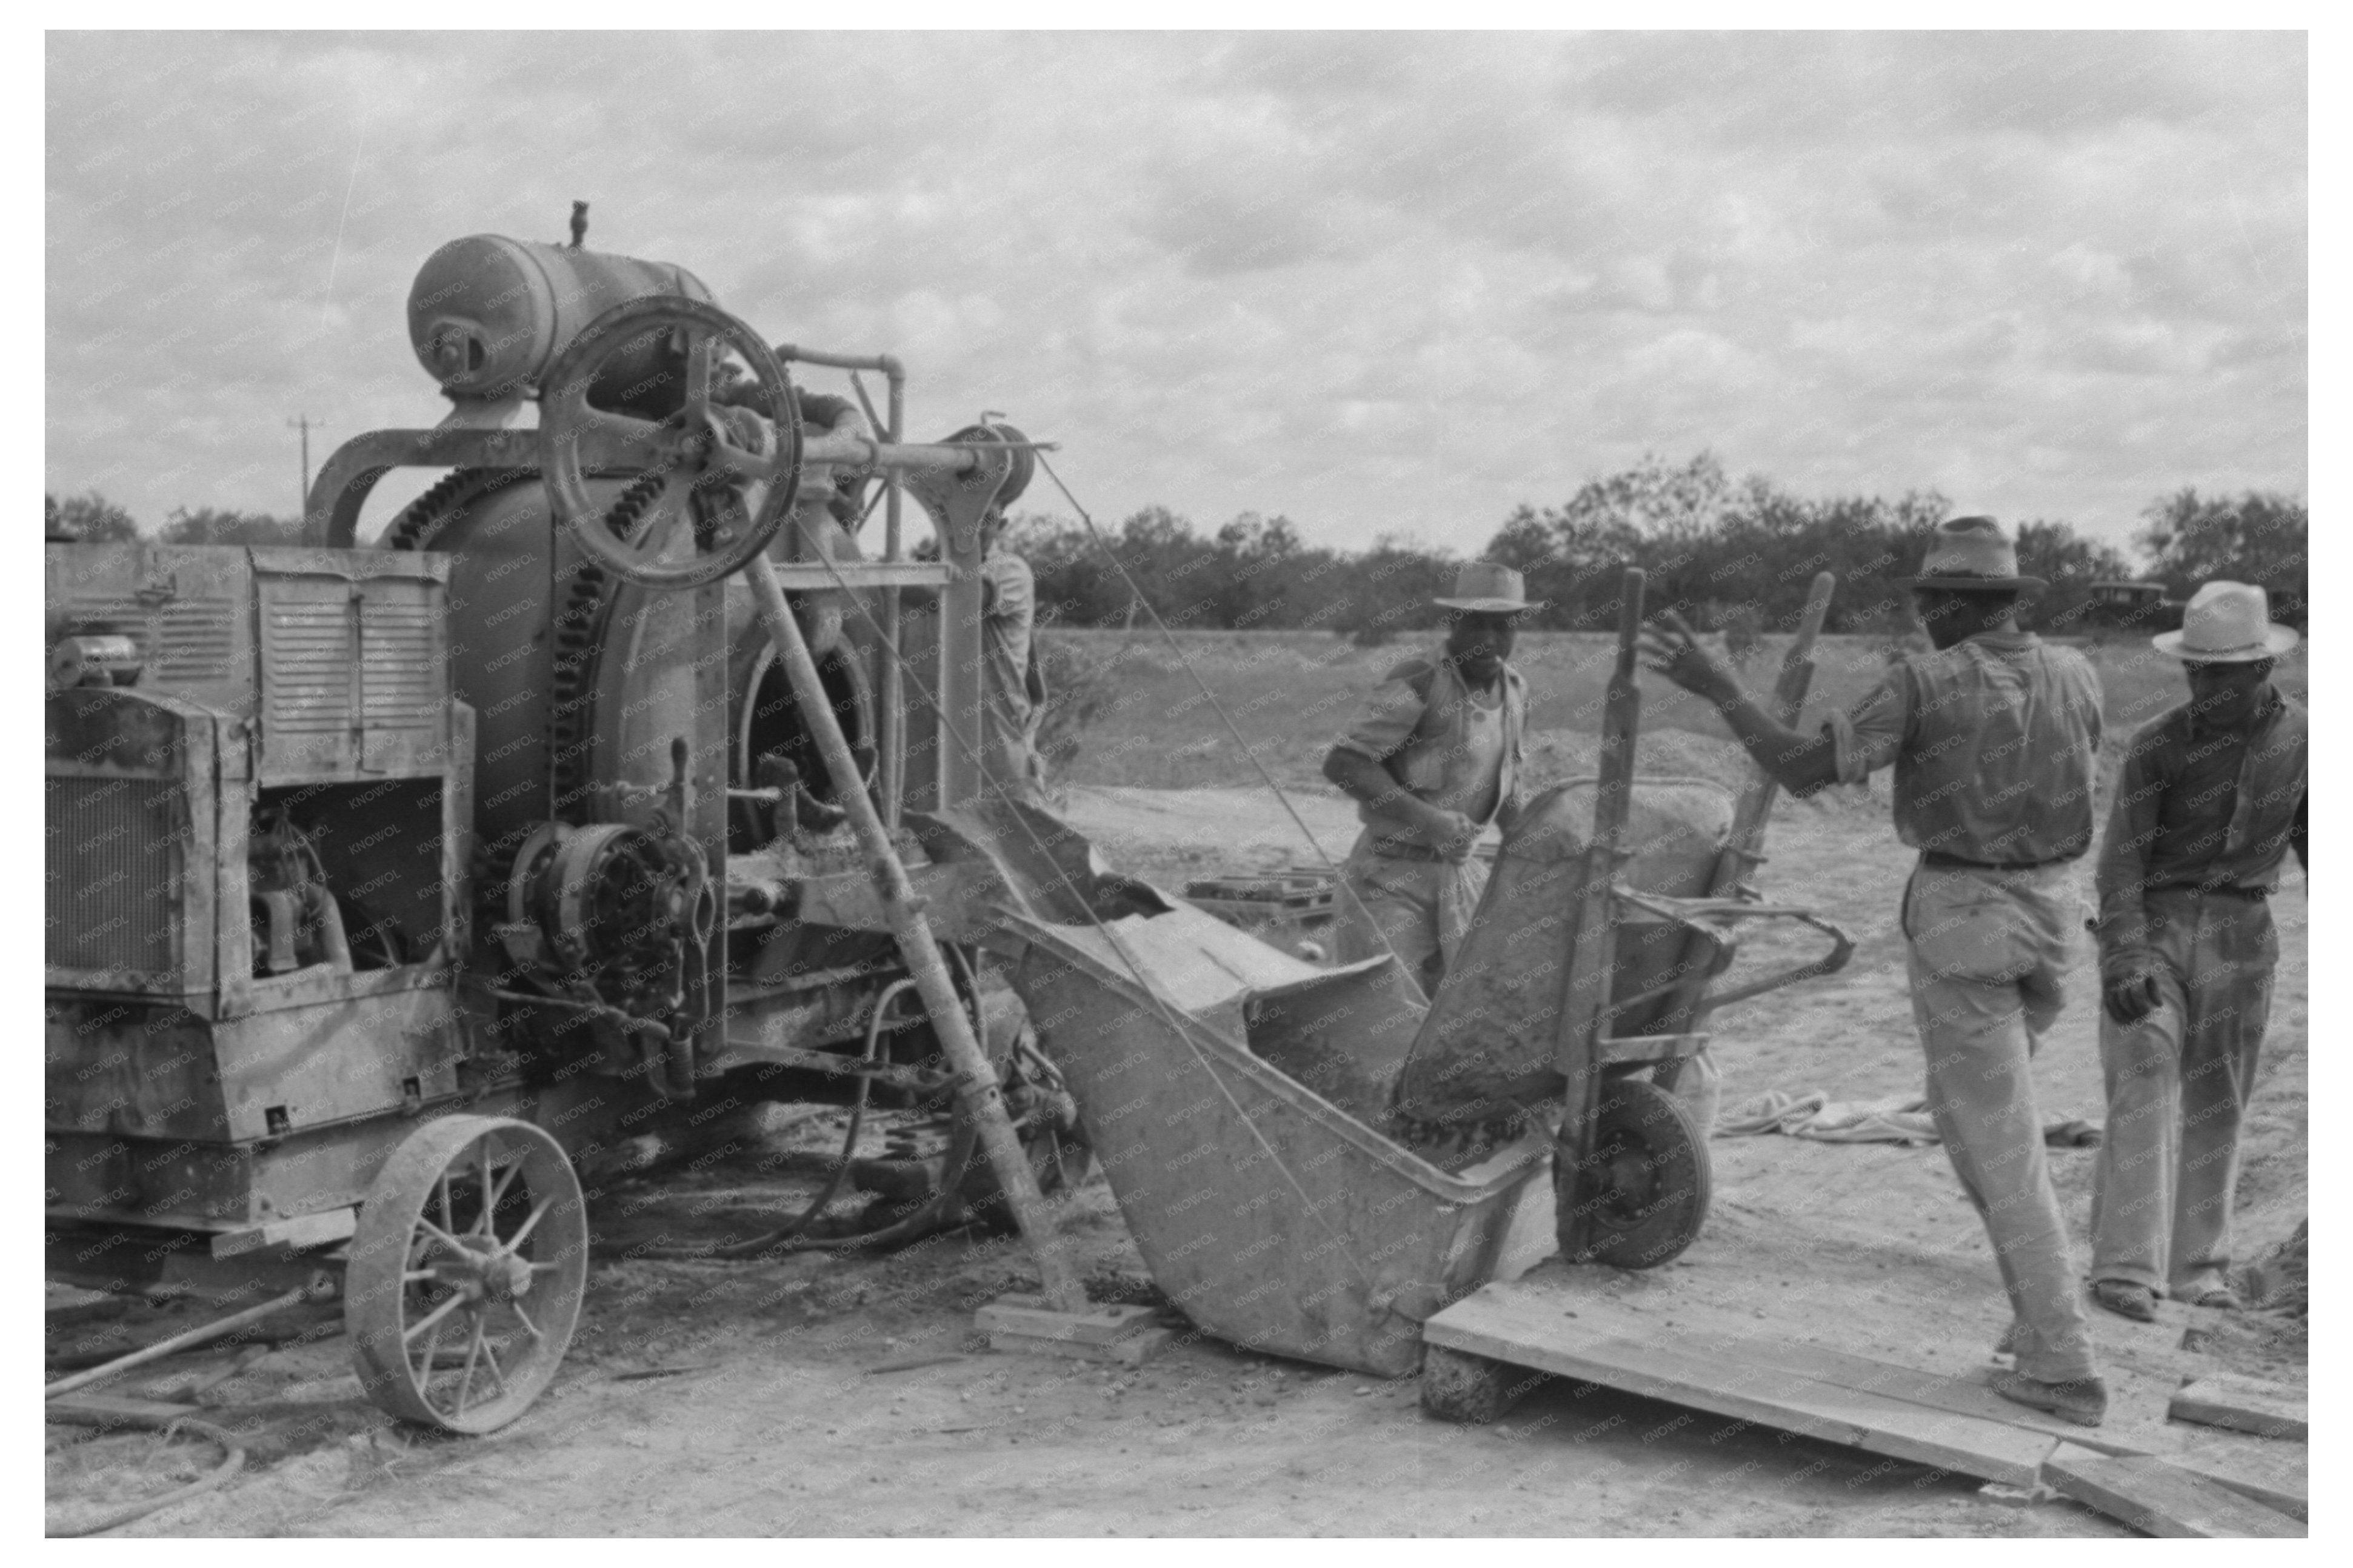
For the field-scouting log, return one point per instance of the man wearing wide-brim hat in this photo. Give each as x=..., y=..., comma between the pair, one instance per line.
x=2209, y=801
x=1432, y=757
x=1993, y=737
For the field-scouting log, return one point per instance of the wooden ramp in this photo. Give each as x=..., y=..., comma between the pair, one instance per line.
x=1694, y=1353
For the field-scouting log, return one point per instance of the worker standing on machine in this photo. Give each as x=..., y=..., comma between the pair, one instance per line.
x=1993, y=737
x=2209, y=801
x=1014, y=690
x=1432, y=757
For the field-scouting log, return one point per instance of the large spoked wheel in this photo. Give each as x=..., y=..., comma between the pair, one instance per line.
x=466, y=1273
x=1642, y=1193
x=717, y=481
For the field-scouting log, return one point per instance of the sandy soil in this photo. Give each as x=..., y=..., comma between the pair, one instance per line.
x=774, y=1413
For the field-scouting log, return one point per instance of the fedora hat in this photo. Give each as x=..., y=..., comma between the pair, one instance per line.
x=2226, y=623
x=1495, y=590
x=1969, y=552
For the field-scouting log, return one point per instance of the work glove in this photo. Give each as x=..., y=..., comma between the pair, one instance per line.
x=2129, y=993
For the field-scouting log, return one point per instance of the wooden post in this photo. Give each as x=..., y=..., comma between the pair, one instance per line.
x=981, y=1097
x=1577, y=1051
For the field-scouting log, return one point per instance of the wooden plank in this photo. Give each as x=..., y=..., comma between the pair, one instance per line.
x=2243, y=1404
x=1030, y=1315
x=1678, y=1369
x=2158, y=1499
x=1134, y=1350
x=1970, y=1395
x=1710, y=1330
x=2273, y=1477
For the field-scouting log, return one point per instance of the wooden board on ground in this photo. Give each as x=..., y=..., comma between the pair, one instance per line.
x=1575, y=1309
x=2243, y=1404
x=1126, y=1335
x=1529, y=1328
x=2274, y=1474
x=2158, y=1499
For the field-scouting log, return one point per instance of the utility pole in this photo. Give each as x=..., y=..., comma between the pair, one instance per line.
x=303, y=423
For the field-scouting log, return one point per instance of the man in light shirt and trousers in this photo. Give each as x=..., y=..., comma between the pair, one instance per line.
x=1993, y=738
x=1432, y=757
x=2209, y=801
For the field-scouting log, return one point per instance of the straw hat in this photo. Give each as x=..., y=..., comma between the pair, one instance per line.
x=1495, y=590
x=2226, y=623
x=1972, y=552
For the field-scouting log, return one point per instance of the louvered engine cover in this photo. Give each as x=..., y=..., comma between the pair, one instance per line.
x=336, y=657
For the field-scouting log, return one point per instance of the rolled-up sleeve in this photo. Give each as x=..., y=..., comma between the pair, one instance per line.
x=1385, y=723
x=1867, y=736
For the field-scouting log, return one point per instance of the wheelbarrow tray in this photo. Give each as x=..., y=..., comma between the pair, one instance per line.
x=1270, y=1217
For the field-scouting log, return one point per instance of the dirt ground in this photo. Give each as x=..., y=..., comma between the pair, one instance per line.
x=706, y=1399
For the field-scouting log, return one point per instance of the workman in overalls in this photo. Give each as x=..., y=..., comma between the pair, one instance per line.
x=1013, y=691
x=2209, y=801
x=1993, y=737
x=1434, y=756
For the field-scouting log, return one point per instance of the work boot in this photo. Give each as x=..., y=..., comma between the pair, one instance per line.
x=2125, y=1300
x=2211, y=1291
x=2083, y=1400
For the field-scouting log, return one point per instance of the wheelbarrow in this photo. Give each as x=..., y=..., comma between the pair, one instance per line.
x=1312, y=1162
x=1602, y=1025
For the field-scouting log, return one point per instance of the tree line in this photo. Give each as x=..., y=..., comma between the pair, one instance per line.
x=1734, y=556
x=1728, y=555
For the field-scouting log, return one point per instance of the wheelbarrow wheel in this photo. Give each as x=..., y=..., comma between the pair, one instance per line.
x=1642, y=1193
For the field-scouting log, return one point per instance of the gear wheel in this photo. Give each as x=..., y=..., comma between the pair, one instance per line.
x=578, y=633
x=449, y=496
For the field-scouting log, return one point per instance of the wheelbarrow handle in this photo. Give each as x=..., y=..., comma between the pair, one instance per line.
x=1696, y=912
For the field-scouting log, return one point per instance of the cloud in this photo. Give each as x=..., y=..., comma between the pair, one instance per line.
x=1371, y=282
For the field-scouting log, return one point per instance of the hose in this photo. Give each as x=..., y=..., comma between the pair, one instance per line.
x=786, y=1240
x=736, y=1251
x=123, y=1513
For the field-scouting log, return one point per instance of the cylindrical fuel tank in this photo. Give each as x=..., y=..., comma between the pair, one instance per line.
x=488, y=313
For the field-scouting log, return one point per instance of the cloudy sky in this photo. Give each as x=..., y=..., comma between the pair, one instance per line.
x=1374, y=282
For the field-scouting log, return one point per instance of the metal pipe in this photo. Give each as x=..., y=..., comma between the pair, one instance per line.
x=894, y=691
x=886, y=363
x=983, y=1100
x=181, y=1341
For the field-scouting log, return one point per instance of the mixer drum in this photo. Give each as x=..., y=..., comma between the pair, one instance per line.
x=578, y=678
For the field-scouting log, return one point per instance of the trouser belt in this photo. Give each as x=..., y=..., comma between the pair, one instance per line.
x=1937, y=860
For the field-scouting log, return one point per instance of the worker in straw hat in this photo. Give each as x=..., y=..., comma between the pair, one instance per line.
x=2209, y=801
x=1433, y=756
x=1993, y=737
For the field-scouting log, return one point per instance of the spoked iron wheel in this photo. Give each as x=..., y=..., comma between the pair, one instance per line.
x=466, y=1273
x=1640, y=1193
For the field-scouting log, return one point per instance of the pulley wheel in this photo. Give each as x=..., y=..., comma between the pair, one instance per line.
x=466, y=1273
x=1642, y=1190
x=691, y=518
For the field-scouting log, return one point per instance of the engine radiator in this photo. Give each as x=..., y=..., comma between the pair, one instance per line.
x=115, y=860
